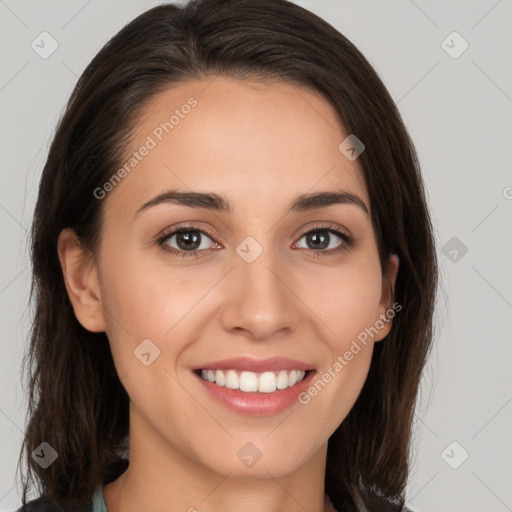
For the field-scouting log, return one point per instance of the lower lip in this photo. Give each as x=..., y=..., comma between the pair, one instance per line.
x=257, y=404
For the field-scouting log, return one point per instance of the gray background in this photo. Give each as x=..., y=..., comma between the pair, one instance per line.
x=458, y=111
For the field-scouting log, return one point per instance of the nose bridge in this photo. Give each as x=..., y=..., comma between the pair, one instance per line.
x=260, y=301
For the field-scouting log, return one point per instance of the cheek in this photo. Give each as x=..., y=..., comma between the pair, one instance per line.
x=147, y=313
x=346, y=303
x=154, y=313
x=147, y=298
x=346, y=300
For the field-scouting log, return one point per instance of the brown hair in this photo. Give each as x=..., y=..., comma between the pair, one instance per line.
x=77, y=402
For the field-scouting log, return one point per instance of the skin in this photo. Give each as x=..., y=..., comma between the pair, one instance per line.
x=260, y=145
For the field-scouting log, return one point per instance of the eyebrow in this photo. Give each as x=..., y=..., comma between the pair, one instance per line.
x=215, y=202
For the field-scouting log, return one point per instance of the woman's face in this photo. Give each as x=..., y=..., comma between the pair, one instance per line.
x=262, y=284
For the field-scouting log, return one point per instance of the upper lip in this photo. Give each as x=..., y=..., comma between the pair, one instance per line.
x=256, y=365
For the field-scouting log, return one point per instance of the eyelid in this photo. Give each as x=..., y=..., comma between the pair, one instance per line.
x=328, y=226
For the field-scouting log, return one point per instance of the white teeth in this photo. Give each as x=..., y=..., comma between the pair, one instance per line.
x=248, y=381
x=232, y=381
x=266, y=382
x=282, y=380
x=219, y=378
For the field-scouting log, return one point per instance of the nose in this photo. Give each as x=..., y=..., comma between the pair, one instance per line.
x=260, y=302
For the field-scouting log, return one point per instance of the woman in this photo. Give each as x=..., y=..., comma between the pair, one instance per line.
x=234, y=273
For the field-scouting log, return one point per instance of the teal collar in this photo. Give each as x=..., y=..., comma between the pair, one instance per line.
x=98, y=501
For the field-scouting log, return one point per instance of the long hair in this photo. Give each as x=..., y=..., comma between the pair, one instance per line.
x=77, y=403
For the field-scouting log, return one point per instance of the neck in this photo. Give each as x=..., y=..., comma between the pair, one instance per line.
x=162, y=478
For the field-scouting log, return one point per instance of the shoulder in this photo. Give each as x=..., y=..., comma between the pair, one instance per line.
x=373, y=503
x=43, y=504
x=383, y=504
x=37, y=505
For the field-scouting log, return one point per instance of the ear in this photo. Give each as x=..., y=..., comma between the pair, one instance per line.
x=81, y=279
x=388, y=292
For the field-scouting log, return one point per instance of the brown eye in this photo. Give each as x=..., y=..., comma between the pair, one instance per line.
x=324, y=239
x=186, y=241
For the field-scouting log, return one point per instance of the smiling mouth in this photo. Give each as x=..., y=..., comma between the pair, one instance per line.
x=250, y=382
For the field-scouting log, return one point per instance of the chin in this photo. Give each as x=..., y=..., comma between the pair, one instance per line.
x=248, y=462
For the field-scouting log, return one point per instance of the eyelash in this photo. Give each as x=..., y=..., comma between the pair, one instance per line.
x=348, y=242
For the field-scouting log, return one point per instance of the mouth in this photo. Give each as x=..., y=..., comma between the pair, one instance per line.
x=254, y=387
x=252, y=382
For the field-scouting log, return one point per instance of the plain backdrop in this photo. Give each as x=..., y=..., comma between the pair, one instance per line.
x=447, y=66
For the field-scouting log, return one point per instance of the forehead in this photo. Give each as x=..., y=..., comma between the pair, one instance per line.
x=274, y=140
